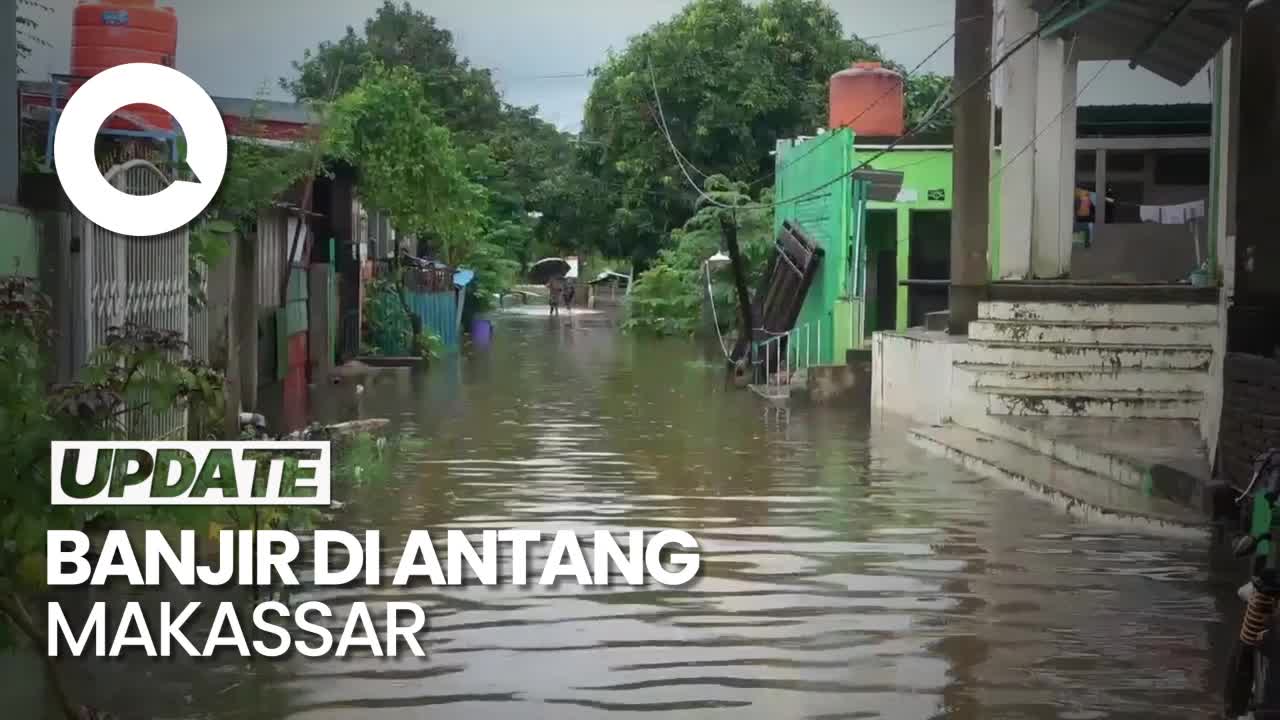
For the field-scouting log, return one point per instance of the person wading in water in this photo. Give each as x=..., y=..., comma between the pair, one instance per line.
x=569, y=290
x=556, y=287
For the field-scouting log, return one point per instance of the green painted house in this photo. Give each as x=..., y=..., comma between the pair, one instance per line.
x=887, y=261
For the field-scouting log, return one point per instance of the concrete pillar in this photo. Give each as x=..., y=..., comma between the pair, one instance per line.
x=245, y=319
x=1055, y=158
x=1018, y=128
x=9, y=146
x=971, y=203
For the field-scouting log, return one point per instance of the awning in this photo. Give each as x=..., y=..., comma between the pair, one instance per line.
x=884, y=184
x=1174, y=39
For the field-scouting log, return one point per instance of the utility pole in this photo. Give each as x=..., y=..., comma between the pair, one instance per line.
x=9, y=108
x=729, y=233
x=971, y=200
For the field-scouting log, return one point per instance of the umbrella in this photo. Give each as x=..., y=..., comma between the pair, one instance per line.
x=547, y=268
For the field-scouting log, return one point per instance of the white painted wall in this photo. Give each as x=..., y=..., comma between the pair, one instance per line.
x=912, y=375
x=1223, y=230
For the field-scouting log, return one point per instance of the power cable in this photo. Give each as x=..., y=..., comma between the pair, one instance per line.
x=1022, y=42
x=1071, y=104
x=848, y=123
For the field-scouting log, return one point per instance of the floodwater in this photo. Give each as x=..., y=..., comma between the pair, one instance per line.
x=845, y=574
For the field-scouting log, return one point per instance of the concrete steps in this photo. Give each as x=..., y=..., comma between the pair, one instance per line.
x=1122, y=313
x=1069, y=378
x=1077, y=491
x=1157, y=457
x=1149, y=334
x=1091, y=403
x=1033, y=354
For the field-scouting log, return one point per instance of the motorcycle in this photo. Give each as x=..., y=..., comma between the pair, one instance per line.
x=1251, y=685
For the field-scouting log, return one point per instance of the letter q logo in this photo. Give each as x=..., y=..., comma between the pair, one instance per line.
x=97, y=100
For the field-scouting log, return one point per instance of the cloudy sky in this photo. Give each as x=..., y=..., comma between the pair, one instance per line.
x=237, y=47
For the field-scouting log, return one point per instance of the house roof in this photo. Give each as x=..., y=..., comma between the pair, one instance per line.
x=1174, y=39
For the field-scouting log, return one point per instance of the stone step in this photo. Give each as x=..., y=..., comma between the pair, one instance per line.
x=1157, y=334
x=1182, y=357
x=1084, y=495
x=1158, y=457
x=1126, y=313
x=1072, y=378
x=1092, y=403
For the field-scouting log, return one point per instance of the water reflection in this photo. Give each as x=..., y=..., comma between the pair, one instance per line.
x=846, y=574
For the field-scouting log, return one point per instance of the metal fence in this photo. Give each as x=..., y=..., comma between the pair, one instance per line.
x=785, y=359
x=140, y=280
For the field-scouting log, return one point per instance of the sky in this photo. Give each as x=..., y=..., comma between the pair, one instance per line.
x=239, y=48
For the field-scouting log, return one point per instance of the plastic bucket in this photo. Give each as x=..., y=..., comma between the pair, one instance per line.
x=481, y=331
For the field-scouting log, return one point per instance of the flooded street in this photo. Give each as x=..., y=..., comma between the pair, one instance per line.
x=845, y=574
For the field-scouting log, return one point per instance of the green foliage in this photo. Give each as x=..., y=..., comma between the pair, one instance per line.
x=388, y=323
x=522, y=162
x=668, y=298
x=408, y=164
x=137, y=370
x=733, y=78
x=257, y=175
x=401, y=37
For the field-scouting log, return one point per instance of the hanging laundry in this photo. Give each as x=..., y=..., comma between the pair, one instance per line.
x=1172, y=214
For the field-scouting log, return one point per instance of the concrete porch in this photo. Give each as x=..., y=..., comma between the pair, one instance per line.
x=1093, y=396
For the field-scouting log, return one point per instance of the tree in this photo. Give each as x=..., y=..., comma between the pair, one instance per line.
x=732, y=79
x=668, y=298
x=399, y=36
x=408, y=165
x=519, y=159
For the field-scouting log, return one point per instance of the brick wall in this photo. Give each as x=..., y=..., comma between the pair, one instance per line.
x=1250, y=413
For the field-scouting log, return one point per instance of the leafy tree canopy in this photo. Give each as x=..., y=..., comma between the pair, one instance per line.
x=408, y=164
x=521, y=161
x=733, y=78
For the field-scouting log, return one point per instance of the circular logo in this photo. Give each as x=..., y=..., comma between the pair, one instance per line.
x=77, y=166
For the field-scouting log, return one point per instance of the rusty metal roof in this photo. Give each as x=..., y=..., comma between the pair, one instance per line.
x=1174, y=39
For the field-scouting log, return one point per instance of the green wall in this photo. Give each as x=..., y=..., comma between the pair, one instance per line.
x=926, y=170
x=19, y=247
x=827, y=214
x=835, y=215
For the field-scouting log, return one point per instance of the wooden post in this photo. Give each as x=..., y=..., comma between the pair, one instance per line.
x=729, y=231
x=318, y=321
x=224, y=341
x=970, y=217
x=244, y=318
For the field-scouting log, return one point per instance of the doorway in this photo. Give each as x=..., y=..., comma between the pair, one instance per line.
x=929, y=264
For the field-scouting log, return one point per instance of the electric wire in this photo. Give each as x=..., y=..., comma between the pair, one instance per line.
x=1071, y=104
x=848, y=123
x=1021, y=43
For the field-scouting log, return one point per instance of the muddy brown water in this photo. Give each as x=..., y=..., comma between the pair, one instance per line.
x=846, y=574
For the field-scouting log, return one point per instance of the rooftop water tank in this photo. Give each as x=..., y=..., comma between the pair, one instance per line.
x=870, y=99
x=106, y=33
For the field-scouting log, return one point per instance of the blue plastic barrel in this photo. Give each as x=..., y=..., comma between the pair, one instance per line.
x=481, y=332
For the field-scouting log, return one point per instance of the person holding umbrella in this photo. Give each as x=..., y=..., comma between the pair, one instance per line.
x=556, y=287
x=551, y=272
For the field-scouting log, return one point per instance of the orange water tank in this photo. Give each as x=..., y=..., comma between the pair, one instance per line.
x=870, y=99
x=106, y=33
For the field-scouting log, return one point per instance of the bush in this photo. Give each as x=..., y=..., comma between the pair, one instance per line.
x=668, y=298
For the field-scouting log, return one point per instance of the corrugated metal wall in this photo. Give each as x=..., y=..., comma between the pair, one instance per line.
x=439, y=313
